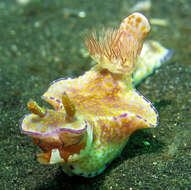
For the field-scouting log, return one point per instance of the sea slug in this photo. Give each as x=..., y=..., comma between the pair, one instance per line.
x=94, y=114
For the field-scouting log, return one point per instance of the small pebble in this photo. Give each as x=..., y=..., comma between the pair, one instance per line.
x=82, y=14
x=23, y=2
x=141, y=6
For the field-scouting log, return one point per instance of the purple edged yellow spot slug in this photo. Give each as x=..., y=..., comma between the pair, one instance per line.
x=95, y=113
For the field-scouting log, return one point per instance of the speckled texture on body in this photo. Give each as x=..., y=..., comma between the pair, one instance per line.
x=102, y=101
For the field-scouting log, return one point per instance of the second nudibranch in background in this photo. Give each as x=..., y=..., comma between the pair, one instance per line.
x=95, y=113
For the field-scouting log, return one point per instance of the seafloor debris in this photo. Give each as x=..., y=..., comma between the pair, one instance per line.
x=159, y=21
x=141, y=6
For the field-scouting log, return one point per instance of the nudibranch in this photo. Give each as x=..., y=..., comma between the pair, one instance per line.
x=94, y=114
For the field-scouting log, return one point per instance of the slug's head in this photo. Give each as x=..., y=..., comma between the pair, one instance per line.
x=118, y=49
x=61, y=134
